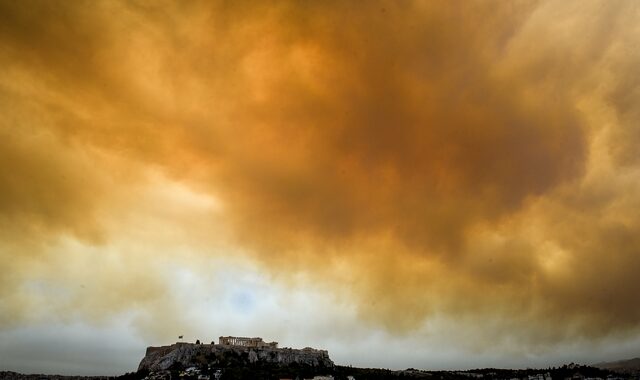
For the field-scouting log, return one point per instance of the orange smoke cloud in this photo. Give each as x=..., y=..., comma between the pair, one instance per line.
x=463, y=159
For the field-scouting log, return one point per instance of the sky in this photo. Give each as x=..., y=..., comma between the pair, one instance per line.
x=427, y=184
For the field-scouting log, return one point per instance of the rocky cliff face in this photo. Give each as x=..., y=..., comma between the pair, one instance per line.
x=187, y=355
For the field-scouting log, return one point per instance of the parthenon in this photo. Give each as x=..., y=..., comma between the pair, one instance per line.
x=245, y=342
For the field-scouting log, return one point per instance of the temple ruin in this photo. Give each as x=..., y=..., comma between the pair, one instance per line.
x=245, y=342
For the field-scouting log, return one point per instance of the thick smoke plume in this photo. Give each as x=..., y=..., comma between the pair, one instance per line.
x=469, y=160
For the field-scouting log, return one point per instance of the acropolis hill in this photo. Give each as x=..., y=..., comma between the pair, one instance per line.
x=249, y=350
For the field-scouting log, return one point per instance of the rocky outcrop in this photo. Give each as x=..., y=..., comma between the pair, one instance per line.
x=187, y=355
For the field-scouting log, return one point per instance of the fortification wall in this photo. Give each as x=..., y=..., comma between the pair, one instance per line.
x=188, y=354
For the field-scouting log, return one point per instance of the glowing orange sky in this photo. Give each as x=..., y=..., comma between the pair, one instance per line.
x=472, y=162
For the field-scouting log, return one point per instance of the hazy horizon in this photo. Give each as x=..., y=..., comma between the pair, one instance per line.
x=427, y=184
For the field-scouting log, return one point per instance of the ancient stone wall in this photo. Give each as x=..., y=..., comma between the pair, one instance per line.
x=188, y=354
